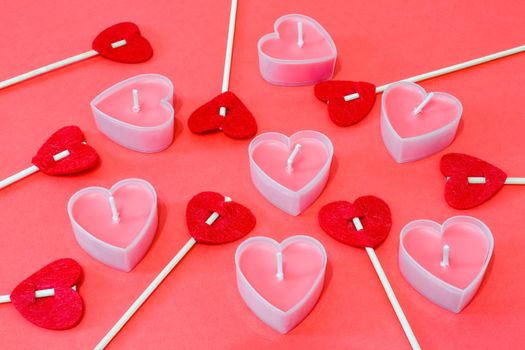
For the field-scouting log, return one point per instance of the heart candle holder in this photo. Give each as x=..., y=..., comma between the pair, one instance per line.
x=446, y=263
x=115, y=226
x=290, y=172
x=415, y=124
x=137, y=113
x=299, y=52
x=281, y=282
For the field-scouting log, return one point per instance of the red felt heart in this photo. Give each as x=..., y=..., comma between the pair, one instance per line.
x=238, y=123
x=136, y=50
x=341, y=112
x=458, y=167
x=234, y=221
x=336, y=219
x=81, y=156
x=61, y=311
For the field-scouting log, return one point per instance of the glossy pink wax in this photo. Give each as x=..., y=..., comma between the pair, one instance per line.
x=93, y=212
x=281, y=303
x=283, y=62
x=150, y=129
x=421, y=254
x=302, y=264
x=410, y=136
x=291, y=190
x=272, y=157
x=120, y=243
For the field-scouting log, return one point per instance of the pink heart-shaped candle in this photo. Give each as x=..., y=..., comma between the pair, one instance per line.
x=115, y=226
x=415, y=124
x=299, y=52
x=281, y=282
x=446, y=263
x=290, y=172
x=137, y=113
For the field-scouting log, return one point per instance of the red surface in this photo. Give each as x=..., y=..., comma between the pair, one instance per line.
x=198, y=306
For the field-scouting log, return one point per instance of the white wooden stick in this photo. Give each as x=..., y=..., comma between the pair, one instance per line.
x=38, y=294
x=448, y=69
x=229, y=52
x=31, y=170
x=152, y=286
x=389, y=291
x=392, y=297
x=508, y=181
x=56, y=65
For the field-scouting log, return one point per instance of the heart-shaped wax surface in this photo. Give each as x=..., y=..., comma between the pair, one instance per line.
x=136, y=50
x=421, y=251
x=411, y=133
x=234, y=221
x=341, y=112
x=148, y=129
x=290, y=189
x=336, y=219
x=238, y=123
x=61, y=311
x=458, y=167
x=283, y=61
x=120, y=243
x=81, y=156
x=281, y=303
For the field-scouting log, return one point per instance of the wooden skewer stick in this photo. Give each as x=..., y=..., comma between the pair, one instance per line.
x=152, y=286
x=389, y=291
x=448, y=69
x=56, y=65
x=229, y=52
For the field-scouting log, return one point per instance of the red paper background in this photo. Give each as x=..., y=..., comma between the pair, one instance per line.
x=198, y=305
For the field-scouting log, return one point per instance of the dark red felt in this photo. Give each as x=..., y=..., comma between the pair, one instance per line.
x=82, y=157
x=341, y=112
x=136, y=50
x=238, y=123
x=458, y=167
x=234, y=221
x=336, y=219
x=61, y=311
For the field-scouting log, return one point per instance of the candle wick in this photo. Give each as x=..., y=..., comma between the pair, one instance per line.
x=300, y=40
x=445, y=261
x=291, y=158
x=423, y=103
x=280, y=274
x=114, y=212
x=136, y=106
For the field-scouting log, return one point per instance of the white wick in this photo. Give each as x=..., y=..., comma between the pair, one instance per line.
x=280, y=274
x=423, y=103
x=136, y=106
x=114, y=212
x=357, y=223
x=119, y=43
x=300, y=40
x=444, y=262
x=291, y=158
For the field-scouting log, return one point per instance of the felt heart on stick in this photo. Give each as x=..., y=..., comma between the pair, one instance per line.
x=341, y=112
x=234, y=220
x=237, y=123
x=136, y=50
x=336, y=219
x=61, y=311
x=81, y=156
x=461, y=194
